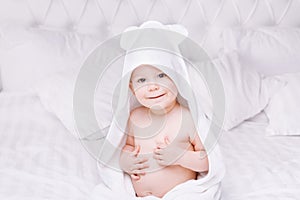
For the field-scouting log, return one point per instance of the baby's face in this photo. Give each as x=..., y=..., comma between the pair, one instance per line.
x=152, y=87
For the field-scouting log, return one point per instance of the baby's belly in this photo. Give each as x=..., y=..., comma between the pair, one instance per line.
x=159, y=182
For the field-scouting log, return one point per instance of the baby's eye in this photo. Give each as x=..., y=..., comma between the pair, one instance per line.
x=141, y=80
x=161, y=75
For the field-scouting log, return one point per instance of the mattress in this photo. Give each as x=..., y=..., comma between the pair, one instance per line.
x=260, y=167
x=39, y=158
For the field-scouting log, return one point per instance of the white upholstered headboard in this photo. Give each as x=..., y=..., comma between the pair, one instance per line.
x=204, y=19
x=109, y=17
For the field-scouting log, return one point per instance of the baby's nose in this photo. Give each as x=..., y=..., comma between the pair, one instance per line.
x=153, y=87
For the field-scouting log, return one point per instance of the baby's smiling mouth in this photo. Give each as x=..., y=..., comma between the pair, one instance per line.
x=155, y=97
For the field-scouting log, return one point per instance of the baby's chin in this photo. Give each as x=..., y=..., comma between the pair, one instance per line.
x=160, y=109
x=157, y=107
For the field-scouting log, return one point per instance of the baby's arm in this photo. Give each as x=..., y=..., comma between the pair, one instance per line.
x=195, y=160
x=129, y=146
x=171, y=154
x=168, y=153
x=130, y=161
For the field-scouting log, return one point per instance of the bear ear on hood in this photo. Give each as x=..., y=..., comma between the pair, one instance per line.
x=130, y=37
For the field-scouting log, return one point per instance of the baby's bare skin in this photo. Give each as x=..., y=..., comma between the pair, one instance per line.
x=176, y=127
x=162, y=148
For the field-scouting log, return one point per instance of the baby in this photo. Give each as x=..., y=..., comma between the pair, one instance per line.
x=162, y=148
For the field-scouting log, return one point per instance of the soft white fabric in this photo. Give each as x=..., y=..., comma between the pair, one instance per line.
x=246, y=91
x=268, y=50
x=39, y=159
x=28, y=55
x=182, y=191
x=0, y=80
x=257, y=166
x=116, y=183
x=56, y=94
x=283, y=109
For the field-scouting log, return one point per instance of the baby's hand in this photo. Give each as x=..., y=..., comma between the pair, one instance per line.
x=167, y=154
x=133, y=164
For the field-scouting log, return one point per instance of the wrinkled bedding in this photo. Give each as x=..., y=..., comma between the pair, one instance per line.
x=39, y=158
x=260, y=167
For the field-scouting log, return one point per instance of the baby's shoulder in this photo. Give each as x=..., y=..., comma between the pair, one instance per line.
x=186, y=113
x=138, y=112
x=187, y=118
x=137, y=116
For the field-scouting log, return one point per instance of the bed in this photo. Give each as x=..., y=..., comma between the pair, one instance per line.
x=43, y=43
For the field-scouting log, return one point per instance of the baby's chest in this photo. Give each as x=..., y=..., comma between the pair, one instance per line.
x=149, y=137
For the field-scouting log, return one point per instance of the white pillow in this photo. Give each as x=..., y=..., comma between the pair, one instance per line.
x=246, y=91
x=28, y=55
x=56, y=94
x=268, y=50
x=283, y=109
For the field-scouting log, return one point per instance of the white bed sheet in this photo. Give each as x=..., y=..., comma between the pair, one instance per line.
x=260, y=167
x=39, y=159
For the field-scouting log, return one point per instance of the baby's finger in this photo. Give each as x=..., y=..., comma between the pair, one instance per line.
x=162, y=162
x=157, y=157
x=138, y=172
x=158, y=151
x=160, y=146
x=167, y=140
x=142, y=166
x=135, y=177
x=140, y=160
x=136, y=150
x=134, y=168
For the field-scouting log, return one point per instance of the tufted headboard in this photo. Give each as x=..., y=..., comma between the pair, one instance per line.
x=204, y=19
x=107, y=18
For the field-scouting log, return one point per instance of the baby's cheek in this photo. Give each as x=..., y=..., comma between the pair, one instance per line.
x=140, y=97
x=173, y=91
x=139, y=92
x=171, y=87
